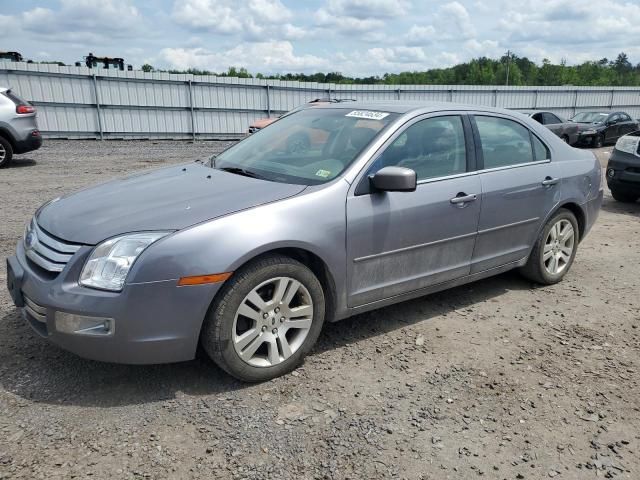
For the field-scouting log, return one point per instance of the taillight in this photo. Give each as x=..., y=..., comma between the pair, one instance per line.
x=25, y=109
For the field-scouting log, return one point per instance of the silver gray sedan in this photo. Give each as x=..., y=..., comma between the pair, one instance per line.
x=328, y=212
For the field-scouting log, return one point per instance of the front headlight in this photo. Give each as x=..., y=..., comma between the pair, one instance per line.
x=110, y=262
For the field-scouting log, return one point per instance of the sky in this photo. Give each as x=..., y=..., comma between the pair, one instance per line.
x=354, y=37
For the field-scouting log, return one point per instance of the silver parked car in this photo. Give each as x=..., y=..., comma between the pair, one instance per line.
x=250, y=252
x=18, y=128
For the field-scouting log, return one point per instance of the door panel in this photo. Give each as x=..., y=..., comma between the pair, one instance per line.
x=514, y=205
x=403, y=241
x=514, y=199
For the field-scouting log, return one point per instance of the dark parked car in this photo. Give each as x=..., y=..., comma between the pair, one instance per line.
x=250, y=253
x=567, y=131
x=623, y=170
x=599, y=128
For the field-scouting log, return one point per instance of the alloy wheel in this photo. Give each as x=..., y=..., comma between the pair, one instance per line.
x=558, y=247
x=3, y=153
x=272, y=322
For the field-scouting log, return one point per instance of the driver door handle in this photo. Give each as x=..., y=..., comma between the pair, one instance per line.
x=550, y=181
x=463, y=198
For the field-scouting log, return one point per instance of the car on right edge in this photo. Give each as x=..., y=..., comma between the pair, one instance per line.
x=623, y=169
x=595, y=129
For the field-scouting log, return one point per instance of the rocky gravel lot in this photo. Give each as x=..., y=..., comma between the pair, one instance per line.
x=498, y=379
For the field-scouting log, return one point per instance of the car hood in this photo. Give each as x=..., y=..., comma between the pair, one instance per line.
x=167, y=199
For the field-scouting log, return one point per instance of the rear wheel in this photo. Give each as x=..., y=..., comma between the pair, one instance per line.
x=265, y=320
x=624, y=197
x=6, y=152
x=554, y=250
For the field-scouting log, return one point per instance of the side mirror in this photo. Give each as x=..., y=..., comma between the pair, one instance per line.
x=394, y=179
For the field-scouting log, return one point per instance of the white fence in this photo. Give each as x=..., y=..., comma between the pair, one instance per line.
x=77, y=102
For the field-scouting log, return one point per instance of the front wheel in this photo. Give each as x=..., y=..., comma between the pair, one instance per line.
x=554, y=250
x=265, y=320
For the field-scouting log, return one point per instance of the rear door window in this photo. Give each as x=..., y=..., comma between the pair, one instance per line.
x=504, y=142
x=550, y=119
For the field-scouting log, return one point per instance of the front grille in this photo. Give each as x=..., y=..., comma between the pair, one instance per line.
x=48, y=252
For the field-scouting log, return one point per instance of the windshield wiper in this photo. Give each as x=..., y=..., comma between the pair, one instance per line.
x=242, y=171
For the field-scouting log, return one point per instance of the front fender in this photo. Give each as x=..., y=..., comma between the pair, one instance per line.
x=313, y=221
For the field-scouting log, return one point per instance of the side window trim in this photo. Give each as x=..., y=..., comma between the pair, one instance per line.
x=362, y=182
x=479, y=156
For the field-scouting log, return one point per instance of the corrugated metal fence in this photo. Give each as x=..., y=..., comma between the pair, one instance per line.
x=77, y=102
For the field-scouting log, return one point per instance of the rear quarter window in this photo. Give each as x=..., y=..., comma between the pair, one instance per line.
x=15, y=98
x=504, y=142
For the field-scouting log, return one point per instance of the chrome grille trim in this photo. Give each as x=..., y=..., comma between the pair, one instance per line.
x=48, y=252
x=54, y=244
x=44, y=263
x=36, y=311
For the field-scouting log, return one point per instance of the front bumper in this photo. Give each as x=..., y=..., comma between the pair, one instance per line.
x=623, y=172
x=155, y=322
x=586, y=139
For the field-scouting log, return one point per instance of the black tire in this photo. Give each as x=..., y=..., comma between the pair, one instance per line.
x=216, y=336
x=534, y=269
x=624, y=197
x=7, y=149
x=598, y=141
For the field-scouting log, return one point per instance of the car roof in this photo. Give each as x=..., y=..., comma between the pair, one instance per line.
x=3, y=89
x=533, y=112
x=402, y=107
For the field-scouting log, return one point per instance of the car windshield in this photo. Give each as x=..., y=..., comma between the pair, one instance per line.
x=590, y=117
x=308, y=147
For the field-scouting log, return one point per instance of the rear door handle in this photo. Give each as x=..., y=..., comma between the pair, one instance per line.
x=463, y=198
x=550, y=181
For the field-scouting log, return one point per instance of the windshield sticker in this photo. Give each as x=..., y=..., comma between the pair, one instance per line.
x=323, y=173
x=366, y=114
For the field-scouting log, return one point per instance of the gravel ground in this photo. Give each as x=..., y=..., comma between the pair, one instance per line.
x=497, y=379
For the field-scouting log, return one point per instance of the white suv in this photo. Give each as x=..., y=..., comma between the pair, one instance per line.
x=18, y=127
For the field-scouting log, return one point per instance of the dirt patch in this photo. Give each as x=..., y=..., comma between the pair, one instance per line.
x=496, y=379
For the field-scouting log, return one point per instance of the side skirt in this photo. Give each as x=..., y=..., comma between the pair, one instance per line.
x=431, y=289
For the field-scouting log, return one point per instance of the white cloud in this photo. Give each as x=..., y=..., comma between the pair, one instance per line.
x=266, y=57
x=364, y=9
x=356, y=37
x=217, y=16
x=420, y=35
x=455, y=14
x=357, y=17
x=254, y=20
x=272, y=11
x=78, y=21
x=347, y=25
x=613, y=23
